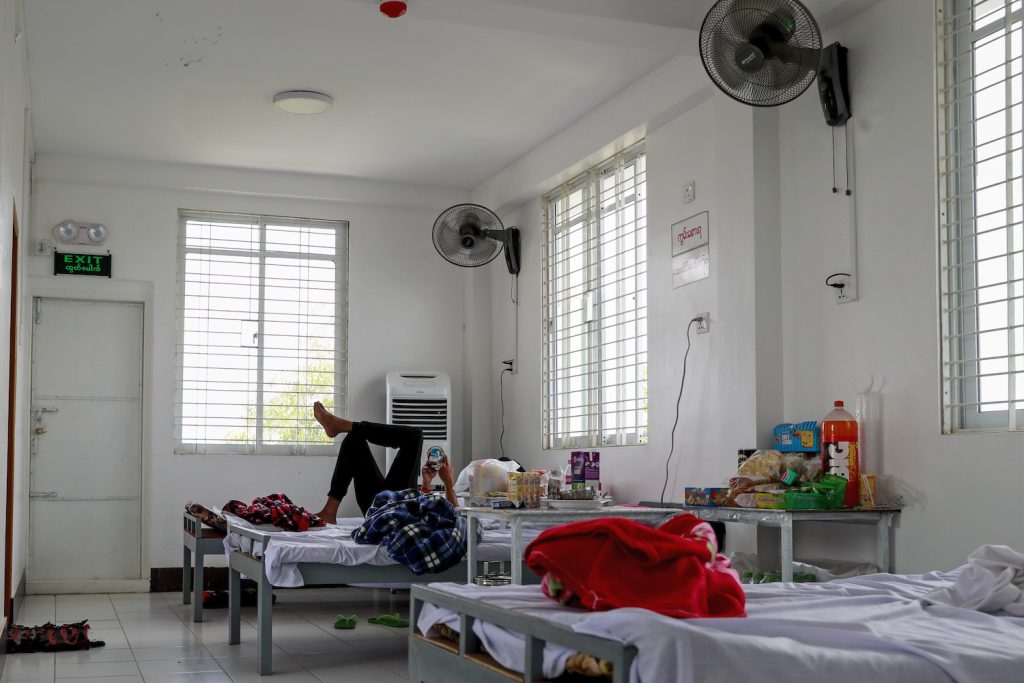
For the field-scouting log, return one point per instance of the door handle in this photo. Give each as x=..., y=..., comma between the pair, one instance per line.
x=42, y=494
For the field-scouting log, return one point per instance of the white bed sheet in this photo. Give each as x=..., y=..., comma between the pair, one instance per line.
x=866, y=628
x=333, y=544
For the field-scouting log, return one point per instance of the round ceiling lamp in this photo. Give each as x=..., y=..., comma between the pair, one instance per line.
x=303, y=101
x=393, y=9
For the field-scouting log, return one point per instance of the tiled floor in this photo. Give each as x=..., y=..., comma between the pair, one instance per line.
x=150, y=637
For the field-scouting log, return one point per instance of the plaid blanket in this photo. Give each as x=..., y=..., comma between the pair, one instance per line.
x=276, y=509
x=426, y=534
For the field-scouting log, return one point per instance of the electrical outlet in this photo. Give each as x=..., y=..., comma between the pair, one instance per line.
x=703, y=323
x=689, y=192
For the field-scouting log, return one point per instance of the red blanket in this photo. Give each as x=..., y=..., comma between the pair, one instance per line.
x=613, y=562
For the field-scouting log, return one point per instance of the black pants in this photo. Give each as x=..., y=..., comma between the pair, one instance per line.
x=356, y=464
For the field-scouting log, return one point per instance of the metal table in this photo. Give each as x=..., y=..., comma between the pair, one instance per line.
x=516, y=518
x=784, y=519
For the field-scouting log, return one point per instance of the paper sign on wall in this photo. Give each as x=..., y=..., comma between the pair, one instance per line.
x=690, y=233
x=691, y=266
x=691, y=253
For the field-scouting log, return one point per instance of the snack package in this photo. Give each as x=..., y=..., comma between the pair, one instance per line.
x=766, y=464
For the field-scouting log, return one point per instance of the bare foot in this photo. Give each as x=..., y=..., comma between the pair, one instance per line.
x=331, y=423
x=330, y=512
x=329, y=517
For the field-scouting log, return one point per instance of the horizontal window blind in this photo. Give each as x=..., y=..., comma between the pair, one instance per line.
x=595, y=307
x=261, y=332
x=981, y=131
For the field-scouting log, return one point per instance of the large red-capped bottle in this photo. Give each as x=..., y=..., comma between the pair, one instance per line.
x=840, y=452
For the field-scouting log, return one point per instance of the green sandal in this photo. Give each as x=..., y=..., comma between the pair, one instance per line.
x=389, y=620
x=345, y=621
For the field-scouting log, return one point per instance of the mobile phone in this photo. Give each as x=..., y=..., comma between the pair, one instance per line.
x=435, y=458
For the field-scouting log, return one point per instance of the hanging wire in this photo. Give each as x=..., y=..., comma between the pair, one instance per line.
x=501, y=396
x=835, y=188
x=675, y=424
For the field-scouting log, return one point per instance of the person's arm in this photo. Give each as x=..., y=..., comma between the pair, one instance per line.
x=449, y=482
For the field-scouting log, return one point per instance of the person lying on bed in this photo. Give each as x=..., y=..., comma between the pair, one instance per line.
x=356, y=466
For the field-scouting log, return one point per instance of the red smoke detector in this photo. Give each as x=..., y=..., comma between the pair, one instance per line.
x=393, y=8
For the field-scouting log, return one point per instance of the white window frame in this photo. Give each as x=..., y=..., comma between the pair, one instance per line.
x=601, y=400
x=976, y=310
x=262, y=253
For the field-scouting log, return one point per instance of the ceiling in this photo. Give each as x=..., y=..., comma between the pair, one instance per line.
x=447, y=95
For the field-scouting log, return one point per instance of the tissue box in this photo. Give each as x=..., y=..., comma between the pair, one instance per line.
x=801, y=437
x=705, y=496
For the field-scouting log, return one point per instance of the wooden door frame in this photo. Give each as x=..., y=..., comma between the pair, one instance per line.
x=12, y=394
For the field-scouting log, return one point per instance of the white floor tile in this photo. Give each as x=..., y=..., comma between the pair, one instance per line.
x=28, y=666
x=96, y=669
x=197, y=665
x=105, y=679
x=162, y=654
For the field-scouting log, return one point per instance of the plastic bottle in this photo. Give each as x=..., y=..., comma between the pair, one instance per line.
x=840, y=452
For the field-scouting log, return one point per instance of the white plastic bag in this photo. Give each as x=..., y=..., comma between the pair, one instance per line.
x=481, y=477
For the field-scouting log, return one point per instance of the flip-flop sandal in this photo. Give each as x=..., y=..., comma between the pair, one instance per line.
x=345, y=621
x=389, y=620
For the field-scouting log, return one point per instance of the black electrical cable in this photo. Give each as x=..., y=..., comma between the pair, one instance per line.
x=501, y=397
x=675, y=424
x=835, y=189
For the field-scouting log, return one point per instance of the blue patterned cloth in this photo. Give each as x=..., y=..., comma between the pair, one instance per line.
x=424, y=533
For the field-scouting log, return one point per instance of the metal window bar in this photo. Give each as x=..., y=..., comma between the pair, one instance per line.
x=594, y=294
x=279, y=282
x=982, y=282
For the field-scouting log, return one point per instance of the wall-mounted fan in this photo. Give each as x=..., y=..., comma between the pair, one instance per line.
x=471, y=235
x=767, y=52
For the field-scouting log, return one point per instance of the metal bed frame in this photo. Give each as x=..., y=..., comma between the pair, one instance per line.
x=313, y=574
x=200, y=541
x=436, y=660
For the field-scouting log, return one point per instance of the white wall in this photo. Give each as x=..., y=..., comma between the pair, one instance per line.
x=15, y=152
x=779, y=349
x=405, y=306
x=892, y=332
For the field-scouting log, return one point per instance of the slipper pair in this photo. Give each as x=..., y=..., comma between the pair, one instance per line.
x=349, y=621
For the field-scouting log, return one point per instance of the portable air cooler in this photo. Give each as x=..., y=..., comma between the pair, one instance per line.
x=421, y=400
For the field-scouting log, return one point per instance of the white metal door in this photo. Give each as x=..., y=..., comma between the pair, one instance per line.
x=86, y=464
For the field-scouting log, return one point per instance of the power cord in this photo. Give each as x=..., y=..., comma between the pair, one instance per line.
x=675, y=424
x=501, y=397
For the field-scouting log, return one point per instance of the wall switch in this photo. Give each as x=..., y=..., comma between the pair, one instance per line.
x=703, y=323
x=689, y=192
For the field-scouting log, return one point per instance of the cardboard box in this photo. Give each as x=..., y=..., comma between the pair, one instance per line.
x=705, y=496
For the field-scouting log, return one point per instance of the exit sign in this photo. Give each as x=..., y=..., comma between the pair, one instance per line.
x=81, y=264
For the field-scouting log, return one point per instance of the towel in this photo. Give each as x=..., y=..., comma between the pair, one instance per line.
x=992, y=580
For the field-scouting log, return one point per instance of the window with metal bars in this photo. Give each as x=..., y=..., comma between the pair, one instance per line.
x=262, y=333
x=595, y=307
x=981, y=213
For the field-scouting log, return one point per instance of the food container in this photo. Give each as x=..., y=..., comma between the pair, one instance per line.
x=493, y=579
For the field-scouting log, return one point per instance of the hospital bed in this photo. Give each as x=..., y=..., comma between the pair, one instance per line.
x=873, y=627
x=327, y=556
x=199, y=542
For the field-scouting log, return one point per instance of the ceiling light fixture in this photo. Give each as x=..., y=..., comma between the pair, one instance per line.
x=303, y=101
x=393, y=9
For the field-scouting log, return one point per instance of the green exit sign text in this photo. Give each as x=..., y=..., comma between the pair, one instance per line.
x=81, y=264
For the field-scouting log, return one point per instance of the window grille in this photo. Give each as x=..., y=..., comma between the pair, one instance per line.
x=262, y=313
x=595, y=307
x=981, y=212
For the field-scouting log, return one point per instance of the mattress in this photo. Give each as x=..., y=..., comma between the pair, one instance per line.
x=333, y=544
x=873, y=627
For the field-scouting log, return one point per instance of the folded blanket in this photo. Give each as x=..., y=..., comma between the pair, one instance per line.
x=276, y=509
x=992, y=580
x=612, y=562
x=422, y=532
